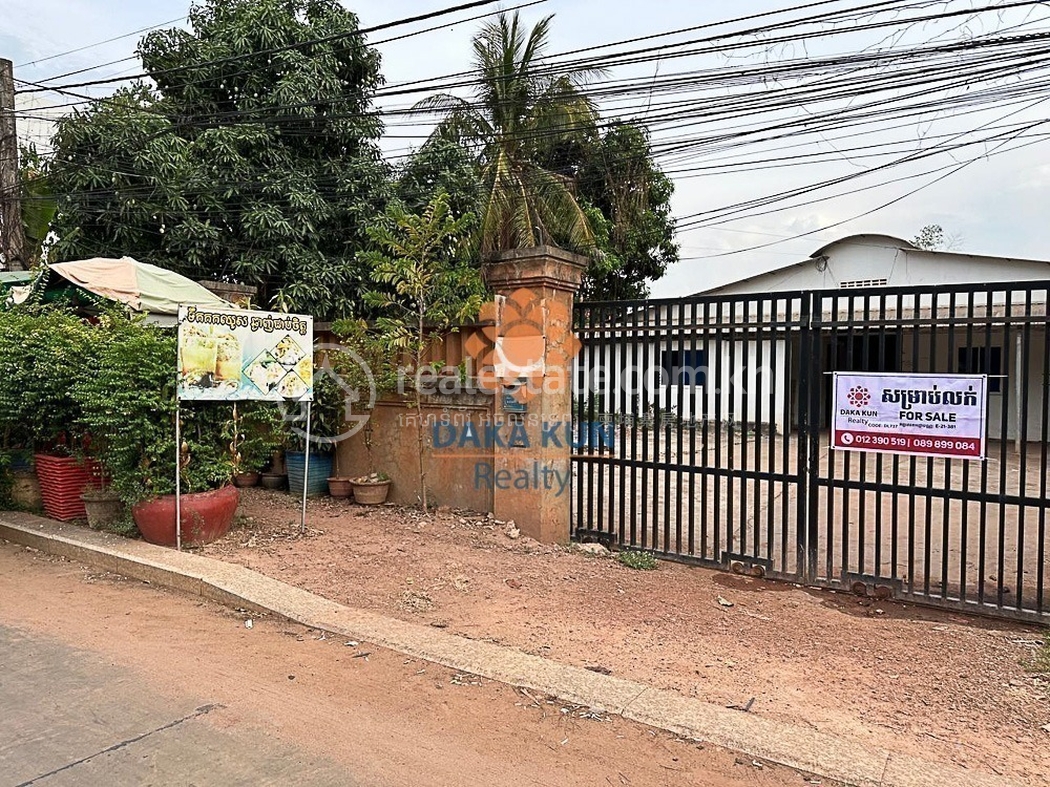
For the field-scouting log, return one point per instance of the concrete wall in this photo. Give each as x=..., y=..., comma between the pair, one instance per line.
x=451, y=470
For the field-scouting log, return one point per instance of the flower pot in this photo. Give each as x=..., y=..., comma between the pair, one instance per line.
x=339, y=487
x=206, y=516
x=320, y=470
x=62, y=481
x=371, y=493
x=245, y=479
x=103, y=507
x=25, y=490
x=274, y=480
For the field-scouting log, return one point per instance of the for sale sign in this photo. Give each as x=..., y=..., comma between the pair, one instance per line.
x=940, y=415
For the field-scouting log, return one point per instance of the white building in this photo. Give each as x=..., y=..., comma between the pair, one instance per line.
x=734, y=353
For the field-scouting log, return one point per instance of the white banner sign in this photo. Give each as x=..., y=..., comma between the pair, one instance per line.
x=237, y=354
x=941, y=415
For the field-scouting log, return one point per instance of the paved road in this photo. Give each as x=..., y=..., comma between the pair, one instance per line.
x=69, y=718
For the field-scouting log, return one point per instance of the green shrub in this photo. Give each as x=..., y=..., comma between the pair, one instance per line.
x=129, y=409
x=43, y=352
x=642, y=561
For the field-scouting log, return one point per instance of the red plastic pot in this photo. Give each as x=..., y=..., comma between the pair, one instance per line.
x=206, y=516
x=62, y=481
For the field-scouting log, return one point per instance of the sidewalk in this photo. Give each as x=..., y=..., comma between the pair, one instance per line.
x=840, y=759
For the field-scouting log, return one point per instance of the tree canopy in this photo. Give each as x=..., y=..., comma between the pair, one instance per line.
x=546, y=170
x=517, y=107
x=253, y=159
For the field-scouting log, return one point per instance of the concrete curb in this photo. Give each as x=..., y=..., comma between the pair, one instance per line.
x=803, y=749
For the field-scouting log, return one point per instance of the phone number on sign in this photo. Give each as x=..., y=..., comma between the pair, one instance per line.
x=908, y=443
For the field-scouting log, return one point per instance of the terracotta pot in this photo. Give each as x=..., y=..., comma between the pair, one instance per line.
x=245, y=479
x=274, y=480
x=25, y=490
x=62, y=481
x=206, y=516
x=339, y=487
x=372, y=493
x=103, y=507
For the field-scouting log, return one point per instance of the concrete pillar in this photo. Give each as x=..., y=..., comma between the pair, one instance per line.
x=532, y=374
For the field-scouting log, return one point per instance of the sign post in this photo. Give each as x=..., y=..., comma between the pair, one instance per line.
x=233, y=355
x=937, y=415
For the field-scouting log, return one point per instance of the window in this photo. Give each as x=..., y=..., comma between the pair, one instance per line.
x=983, y=360
x=684, y=367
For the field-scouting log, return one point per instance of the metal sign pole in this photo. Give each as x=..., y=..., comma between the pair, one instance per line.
x=178, y=475
x=306, y=469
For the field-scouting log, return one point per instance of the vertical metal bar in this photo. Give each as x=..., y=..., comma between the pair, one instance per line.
x=1044, y=417
x=1004, y=445
x=306, y=467
x=734, y=423
x=806, y=509
x=792, y=414
x=927, y=547
x=648, y=369
x=719, y=394
x=771, y=406
x=636, y=396
x=964, y=519
x=1024, y=341
x=745, y=420
x=710, y=387
x=693, y=422
x=912, y=460
x=680, y=425
x=983, y=543
x=759, y=420
x=668, y=419
x=594, y=429
x=582, y=384
x=619, y=452
x=178, y=474
x=948, y=467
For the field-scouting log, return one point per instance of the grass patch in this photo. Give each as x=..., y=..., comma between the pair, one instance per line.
x=1040, y=661
x=641, y=561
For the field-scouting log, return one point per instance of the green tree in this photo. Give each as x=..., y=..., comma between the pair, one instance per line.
x=617, y=175
x=38, y=204
x=519, y=106
x=930, y=238
x=254, y=159
x=425, y=289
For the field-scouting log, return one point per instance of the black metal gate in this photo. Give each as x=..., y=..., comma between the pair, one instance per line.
x=702, y=436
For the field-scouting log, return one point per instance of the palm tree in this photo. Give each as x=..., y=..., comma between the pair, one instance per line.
x=520, y=107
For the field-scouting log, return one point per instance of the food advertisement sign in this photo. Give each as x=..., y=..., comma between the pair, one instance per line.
x=236, y=354
x=939, y=415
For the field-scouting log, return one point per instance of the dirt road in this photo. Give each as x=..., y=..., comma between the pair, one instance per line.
x=280, y=695
x=937, y=685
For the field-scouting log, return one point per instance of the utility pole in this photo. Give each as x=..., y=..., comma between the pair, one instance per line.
x=12, y=238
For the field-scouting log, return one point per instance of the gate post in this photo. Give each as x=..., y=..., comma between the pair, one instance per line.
x=532, y=374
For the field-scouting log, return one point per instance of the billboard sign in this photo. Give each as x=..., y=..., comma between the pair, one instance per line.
x=939, y=415
x=236, y=354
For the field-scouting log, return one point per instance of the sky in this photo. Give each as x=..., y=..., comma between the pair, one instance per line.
x=994, y=205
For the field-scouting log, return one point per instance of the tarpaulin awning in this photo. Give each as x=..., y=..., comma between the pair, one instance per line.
x=138, y=285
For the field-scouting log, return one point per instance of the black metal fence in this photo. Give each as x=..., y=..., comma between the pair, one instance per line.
x=703, y=435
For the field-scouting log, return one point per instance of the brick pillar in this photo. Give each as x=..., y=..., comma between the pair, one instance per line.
x=534, y=289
